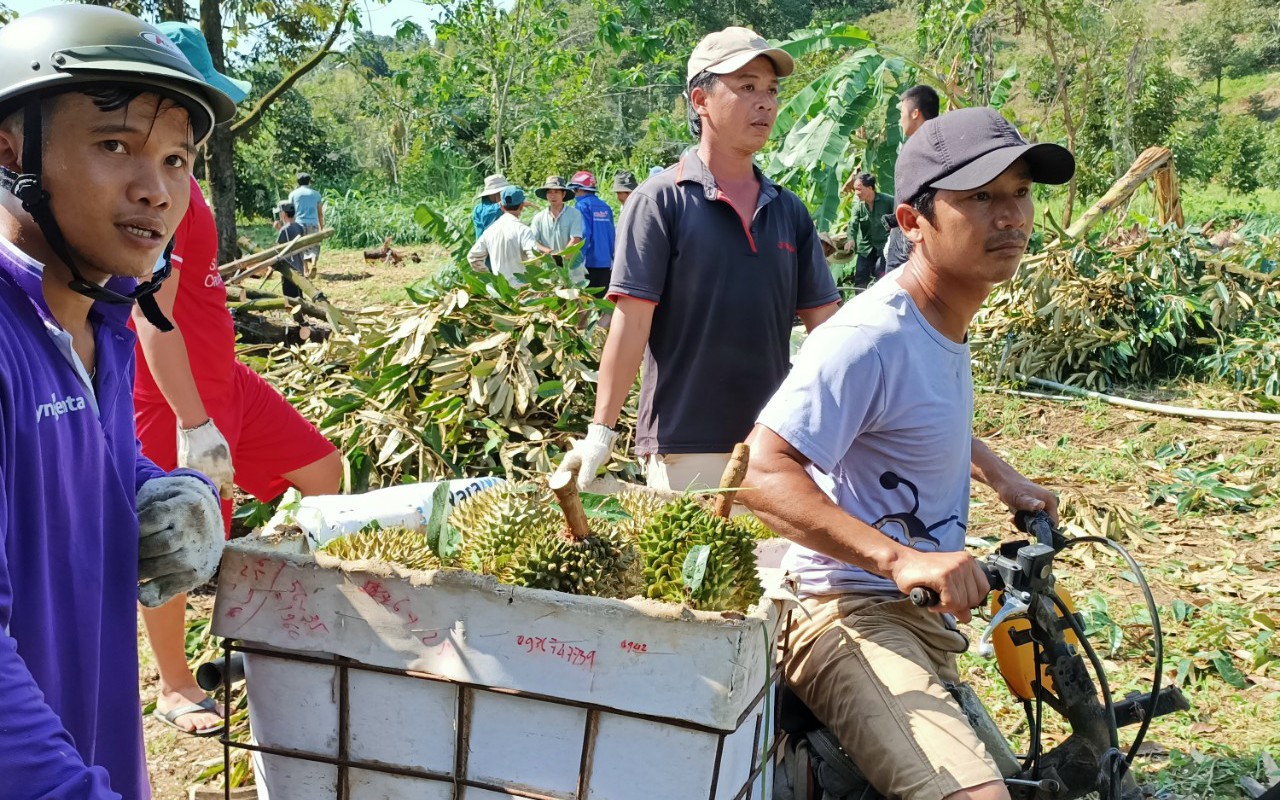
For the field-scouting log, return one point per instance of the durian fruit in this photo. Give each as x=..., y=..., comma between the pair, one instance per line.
x=642, y=504
x=495, y=522
x=701, y=533
x=729, y=582
x=406, y=548
x=515, y=533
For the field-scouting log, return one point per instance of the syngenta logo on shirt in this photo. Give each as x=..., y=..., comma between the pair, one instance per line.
x=55, y=408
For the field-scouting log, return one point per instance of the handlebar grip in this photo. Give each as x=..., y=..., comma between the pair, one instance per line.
x=1037, y=524
x=924, y=597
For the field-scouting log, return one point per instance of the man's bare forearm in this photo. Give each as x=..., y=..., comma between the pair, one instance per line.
x=166, y=355
x=988, y=468
x=620, y=362
x=780, y=492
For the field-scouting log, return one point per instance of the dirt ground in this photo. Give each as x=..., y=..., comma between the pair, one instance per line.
x=1196, y=502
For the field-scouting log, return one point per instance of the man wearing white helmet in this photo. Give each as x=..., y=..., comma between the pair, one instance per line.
x=100, y=116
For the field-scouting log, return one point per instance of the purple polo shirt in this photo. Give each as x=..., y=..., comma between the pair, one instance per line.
x=70, y=470
x=726, y=296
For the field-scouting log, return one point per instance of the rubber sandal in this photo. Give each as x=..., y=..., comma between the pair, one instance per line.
x=171, y=716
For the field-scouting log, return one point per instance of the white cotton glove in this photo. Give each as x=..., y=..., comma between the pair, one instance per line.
x=180, y=537
x=594, y=450
x=204, y=449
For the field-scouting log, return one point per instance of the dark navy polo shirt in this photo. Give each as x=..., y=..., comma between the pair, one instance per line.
x=726, y=296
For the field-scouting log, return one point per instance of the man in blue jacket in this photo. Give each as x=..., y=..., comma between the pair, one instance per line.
x=597, y=230
x=100, y=116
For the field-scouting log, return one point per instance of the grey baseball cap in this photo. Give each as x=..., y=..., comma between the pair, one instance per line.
x=732, y=49
x=970, y=147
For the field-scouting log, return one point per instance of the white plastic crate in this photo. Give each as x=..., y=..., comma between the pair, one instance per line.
x=401, y=684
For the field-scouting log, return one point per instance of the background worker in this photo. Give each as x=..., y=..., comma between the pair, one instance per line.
x=918, y=105
x=597, y=229
x=100, y=117
x=289, y=229
x=714, y=261
x=198, y=407
x=487, y=210
x=507, y=243
x=557, y=226
x=310, y=207
x=867, y=230
x=624, y=183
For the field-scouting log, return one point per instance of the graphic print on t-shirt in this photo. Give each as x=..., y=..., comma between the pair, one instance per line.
x=905, y=526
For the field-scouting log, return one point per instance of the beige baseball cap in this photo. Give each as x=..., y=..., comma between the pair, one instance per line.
x=732, y=49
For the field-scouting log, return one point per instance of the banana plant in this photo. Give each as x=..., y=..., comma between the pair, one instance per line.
x=846, y=119
x=843, y=120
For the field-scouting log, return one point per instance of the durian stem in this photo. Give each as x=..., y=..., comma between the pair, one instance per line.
x=565, y=485
x=734, y=473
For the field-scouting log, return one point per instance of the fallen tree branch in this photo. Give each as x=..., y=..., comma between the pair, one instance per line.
x=1154, y=408
x=1144, y=166
x=231, y=271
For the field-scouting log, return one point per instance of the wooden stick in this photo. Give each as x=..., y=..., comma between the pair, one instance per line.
x=229, y=270
x=1168, y=201
x=564, y=482
x=1150, y=160
x=734, y=473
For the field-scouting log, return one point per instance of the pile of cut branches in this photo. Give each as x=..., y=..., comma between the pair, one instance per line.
x=473, y=376
x=1141, y=307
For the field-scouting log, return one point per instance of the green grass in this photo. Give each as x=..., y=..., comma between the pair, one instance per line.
x=1238, y=89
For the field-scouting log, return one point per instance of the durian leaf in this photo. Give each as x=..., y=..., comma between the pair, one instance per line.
x=695, y=567
x=449, y=542
x=438, y=517
x=605, y=507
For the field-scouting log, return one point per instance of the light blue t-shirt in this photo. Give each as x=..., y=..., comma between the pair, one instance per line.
x=306, y=201
x=882, y=404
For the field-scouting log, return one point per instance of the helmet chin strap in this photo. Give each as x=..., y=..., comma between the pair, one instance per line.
x=28, y=188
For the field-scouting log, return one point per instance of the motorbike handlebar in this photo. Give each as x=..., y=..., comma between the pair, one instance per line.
x=924, y=597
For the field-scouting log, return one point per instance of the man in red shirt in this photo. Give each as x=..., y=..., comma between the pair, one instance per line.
x=196, y=406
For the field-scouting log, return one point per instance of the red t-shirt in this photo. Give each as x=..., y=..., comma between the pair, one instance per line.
x=200, y=309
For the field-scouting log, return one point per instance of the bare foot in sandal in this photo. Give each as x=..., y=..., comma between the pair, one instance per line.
x=189, y=710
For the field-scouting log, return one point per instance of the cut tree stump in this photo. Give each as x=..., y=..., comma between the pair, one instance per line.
x=1147, y=164
x=389, y=255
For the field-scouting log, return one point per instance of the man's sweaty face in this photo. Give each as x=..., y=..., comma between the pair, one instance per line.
x=118, y=181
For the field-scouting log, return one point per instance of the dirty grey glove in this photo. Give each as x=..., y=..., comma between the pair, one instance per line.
x=204, y=449
x=180, y=537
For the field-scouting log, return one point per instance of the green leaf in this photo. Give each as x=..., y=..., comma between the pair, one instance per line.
x=438, y=517
x=1182, y=610
x=1004, y=87
x=1227, y=669
x=694, y=570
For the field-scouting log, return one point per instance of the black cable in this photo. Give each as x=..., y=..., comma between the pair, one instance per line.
x=1097, y=666
x=1038, y=752
x=1029, y=759
x=1157, y=634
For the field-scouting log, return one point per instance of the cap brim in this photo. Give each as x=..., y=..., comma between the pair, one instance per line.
x=237, y=90
x=783, y=63
x=1048, y=163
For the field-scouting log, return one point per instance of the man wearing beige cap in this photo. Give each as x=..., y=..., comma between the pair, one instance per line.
x=713, y=261
x=487, y=209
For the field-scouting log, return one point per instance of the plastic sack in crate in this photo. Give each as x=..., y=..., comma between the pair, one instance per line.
x=326, y=517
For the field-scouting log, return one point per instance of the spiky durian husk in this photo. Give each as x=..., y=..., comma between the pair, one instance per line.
x=641, y=504
x=496, y=521
x=552, y=558
x=730, y=582
x=394, y=545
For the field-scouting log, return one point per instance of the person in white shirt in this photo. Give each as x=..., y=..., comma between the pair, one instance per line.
x=508, y=242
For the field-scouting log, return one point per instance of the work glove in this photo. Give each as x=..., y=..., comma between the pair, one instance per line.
x=205, y=450
x=594, y=451
x=180, y=537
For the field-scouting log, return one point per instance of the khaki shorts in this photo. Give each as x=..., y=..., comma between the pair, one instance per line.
x=679, y=472
x=874, y=670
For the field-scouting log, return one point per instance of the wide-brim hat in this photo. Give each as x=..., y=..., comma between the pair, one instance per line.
x=553, y=182
x=624, y=182
x=493, y=184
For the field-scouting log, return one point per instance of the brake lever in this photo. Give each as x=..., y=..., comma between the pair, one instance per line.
x=1012, y=606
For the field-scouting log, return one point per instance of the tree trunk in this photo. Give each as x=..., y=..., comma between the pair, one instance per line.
x=220, y=168
x=1217, y=95
x=173, y=11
